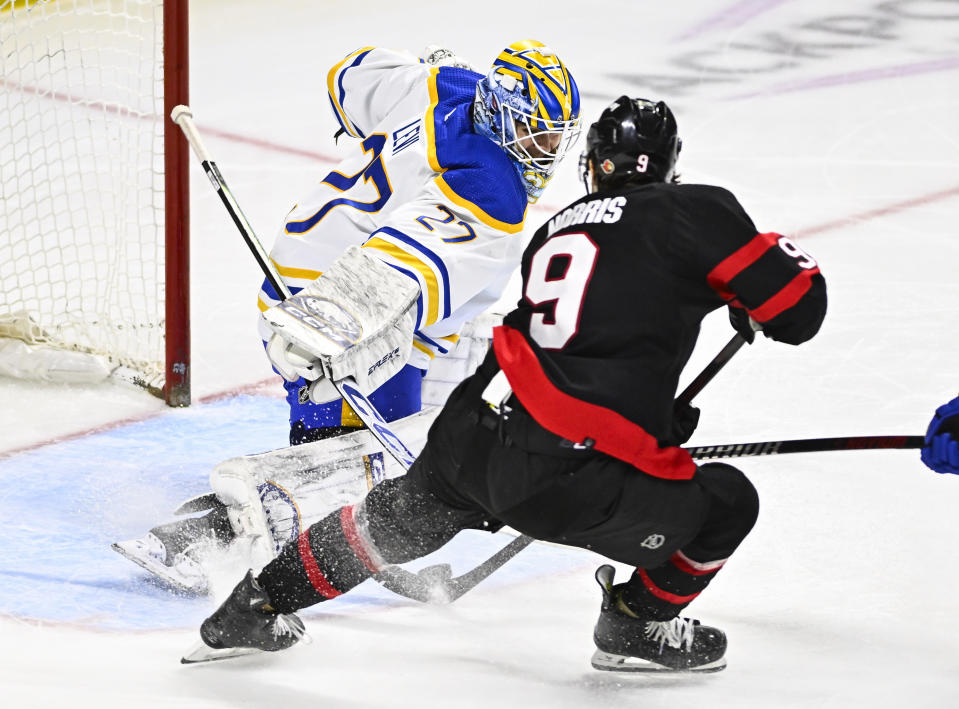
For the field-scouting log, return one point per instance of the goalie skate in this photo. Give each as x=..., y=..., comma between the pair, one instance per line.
x=184, y=574
x=628, y=644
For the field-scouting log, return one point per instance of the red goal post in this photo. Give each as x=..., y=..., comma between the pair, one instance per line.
x=94, y=227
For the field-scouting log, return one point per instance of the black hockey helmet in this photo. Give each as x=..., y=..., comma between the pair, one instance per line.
x=634, y=140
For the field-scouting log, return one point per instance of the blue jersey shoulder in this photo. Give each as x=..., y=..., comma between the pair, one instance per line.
x=476, y=168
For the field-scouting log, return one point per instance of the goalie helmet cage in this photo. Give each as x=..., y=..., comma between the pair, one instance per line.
x=94, y=224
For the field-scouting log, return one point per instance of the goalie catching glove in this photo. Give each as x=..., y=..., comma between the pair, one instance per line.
x=436, y=55
x=356, y=320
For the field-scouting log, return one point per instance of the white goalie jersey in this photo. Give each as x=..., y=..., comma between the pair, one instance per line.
x=419, y=190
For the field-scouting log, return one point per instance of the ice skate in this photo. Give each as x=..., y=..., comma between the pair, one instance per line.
x=245, y=623
x=628, y=644
x=181, y=571
x=174, y=551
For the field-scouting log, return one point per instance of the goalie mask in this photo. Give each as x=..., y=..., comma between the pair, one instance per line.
x=528, y=103
x=634, y=140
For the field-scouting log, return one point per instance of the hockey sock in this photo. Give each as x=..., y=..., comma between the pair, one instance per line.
x=321, y=564
x=661, y=593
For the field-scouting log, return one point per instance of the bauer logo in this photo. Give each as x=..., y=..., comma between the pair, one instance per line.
x=325, y=316
x=653, y=541
x=735, y=450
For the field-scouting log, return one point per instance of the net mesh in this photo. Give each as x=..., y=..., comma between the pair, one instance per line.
x=81, y=178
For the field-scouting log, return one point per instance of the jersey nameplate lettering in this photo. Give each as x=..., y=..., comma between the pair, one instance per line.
x=608, y=211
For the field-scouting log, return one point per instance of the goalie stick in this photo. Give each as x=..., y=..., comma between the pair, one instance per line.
x=346, y=386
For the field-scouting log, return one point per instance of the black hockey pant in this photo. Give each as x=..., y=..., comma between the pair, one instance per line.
x=479, y=472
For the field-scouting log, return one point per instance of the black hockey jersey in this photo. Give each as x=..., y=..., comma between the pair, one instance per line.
x=615, y=287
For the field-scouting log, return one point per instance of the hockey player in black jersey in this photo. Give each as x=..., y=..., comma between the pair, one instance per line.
x=568, y=432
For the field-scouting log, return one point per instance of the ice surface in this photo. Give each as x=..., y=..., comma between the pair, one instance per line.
x=834, y=125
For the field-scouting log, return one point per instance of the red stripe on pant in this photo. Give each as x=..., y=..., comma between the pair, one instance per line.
x=313, y=573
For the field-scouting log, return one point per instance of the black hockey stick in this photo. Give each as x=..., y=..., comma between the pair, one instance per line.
x=711, y=369
x=805, y=445
x=443, y=588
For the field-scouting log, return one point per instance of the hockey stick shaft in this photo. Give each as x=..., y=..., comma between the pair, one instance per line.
x=712, y=369
x=805, y=445
x=183, y=117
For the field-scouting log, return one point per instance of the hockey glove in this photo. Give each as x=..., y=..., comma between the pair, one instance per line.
x=435, y=55
x=743, y=324
x=940, y=451
x=685, y=420
x=292, y=362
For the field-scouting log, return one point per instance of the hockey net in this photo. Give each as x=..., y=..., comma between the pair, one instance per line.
x=85, y=186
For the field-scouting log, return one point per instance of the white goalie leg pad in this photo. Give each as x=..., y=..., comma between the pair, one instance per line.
x=356, y=319
x=272, y=497
x=447, y=371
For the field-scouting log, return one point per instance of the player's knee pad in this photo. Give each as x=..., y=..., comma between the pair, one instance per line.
x=733, y=495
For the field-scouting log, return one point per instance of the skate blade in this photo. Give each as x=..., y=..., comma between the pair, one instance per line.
x=161, y=571
x=201, y=652
x=623, y=663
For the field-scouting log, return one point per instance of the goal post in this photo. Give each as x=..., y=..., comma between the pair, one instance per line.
x=176, y=51
x=94, y=193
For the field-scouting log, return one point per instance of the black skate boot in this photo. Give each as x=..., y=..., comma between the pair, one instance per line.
x=245, y=622
x=628, y=644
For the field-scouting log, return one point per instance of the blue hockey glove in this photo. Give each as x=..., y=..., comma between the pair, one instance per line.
x=940, y=452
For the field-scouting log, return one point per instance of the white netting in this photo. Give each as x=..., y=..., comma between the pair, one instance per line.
x=81, y=177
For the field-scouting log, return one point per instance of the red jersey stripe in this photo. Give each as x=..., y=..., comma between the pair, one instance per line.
x=577, y=420
x=313, y=573
x=785, y=298
x=738, y=261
